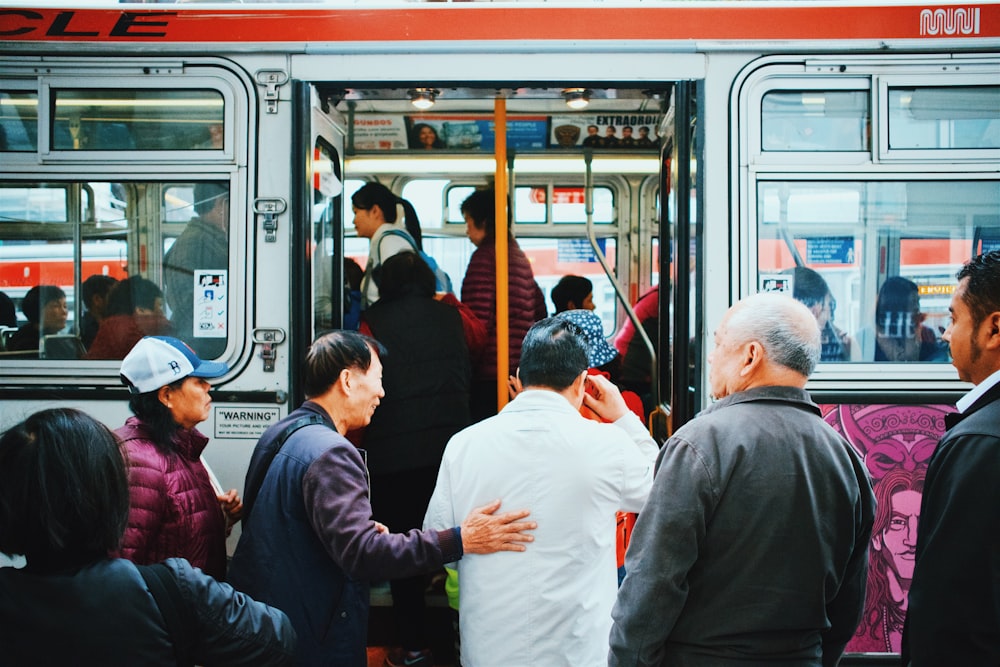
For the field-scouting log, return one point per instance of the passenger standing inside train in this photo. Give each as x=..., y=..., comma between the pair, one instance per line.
x=426, y=378
x=175, y=511
x=573, y=293
x=204, y=245
x=309, y=544
x=551, y=605
x=953, y=616
x=64, y=503
x=753, y=545
x=526, y=302
x=95, y=291
x=635, y=359
x=45, y=308
x=377, y=213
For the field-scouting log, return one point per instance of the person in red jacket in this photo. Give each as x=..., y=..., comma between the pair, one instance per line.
x=174, y=511
x=525, y=299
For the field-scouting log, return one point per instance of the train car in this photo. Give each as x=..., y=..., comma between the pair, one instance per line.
x=699, y=150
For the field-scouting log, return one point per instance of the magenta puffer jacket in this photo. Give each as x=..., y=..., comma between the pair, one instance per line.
x=174, y=512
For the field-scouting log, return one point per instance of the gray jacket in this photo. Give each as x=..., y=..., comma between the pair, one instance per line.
x=753, y=545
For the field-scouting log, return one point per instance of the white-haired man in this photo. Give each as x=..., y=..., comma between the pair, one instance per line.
x=753, y=545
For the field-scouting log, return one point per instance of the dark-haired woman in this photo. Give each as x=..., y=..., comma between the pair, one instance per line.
x=175, y=510
x=379, y=215
x=64, y=502
x=425, y=137
x=45, y=308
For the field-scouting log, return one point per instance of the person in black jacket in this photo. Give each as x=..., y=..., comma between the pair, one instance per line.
x=426, y=378
x=64, y=502
x=952, y=617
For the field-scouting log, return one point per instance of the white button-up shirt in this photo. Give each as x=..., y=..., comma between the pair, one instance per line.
x=550, y=605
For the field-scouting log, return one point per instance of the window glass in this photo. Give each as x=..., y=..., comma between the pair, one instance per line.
x=874, y=261
x=112, y=120
x=78, y=242
x=815, y=120
x=18, y=121
x=196, y=265
x=531, y=205
x=944, y=117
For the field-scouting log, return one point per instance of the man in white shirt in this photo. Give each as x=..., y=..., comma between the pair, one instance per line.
x=955, y=593
x=551, y=606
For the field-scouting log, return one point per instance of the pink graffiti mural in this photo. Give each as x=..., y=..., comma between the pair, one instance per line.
x=896, y=442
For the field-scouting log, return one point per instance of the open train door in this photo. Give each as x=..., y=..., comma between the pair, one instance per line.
x=318, y=224
x=680, y=361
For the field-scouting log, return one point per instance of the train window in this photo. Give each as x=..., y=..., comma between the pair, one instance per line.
x=544, y=204
x=937, y=117
x=114, y=120
x=74, y=239
x=196, y=265
x=18, y=121
x=874, y=261
x=815, y=120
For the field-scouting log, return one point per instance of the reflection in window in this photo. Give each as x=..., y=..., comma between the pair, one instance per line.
x=110, y=120
x=196, y=270
x=18, y=121
x=944, y=117
x=815, y=120
x=874, y=261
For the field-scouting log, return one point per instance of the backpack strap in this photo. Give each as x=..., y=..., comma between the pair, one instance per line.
x=167, y=595
x=255, y=478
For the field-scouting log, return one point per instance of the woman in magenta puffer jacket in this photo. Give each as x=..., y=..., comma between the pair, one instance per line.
x=174, y=510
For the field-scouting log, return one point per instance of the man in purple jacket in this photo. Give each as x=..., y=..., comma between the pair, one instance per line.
x=309, y=544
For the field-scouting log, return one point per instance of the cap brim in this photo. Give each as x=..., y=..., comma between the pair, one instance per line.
x=210, y=369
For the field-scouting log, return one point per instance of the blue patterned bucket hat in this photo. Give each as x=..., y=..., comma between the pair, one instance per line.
x=600, y=352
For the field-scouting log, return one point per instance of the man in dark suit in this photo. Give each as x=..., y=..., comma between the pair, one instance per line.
x=955, y=592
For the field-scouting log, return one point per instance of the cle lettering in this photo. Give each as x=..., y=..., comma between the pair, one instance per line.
x=61, y=24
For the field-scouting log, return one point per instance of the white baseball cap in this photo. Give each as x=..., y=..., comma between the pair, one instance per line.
x=156, y=361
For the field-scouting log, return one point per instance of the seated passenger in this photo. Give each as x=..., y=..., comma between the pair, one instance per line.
x=899, y=332
x=64, y=504
x=45, y=308
x=135, y=309
x=811, y=289
x=8, y=315
x=95, y=291
x=573, y=293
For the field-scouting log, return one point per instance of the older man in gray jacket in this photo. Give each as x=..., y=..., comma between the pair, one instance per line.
x=752, y=546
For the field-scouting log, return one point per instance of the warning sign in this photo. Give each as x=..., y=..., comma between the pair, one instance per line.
x=247, y=422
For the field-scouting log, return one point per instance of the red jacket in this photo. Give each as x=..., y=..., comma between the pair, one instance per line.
x=174, y=511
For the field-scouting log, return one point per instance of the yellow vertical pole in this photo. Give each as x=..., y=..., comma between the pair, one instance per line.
x=503, y=324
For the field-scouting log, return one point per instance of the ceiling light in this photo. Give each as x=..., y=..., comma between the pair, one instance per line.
x=577, y=98
x=423, y=98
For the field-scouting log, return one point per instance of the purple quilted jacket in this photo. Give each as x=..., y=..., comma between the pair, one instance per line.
x=525, y=301
x=174, y=511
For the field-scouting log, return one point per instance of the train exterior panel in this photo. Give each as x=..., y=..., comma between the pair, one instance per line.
x=858, y=141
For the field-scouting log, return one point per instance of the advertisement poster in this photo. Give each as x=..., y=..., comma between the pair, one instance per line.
x=896, y=442
x=472, y=132
x=606, y=131
x=379, y=133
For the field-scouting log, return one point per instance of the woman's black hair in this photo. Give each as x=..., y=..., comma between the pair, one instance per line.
x=406, y=273
x=375, y=194
x=131, y=293
x=64, y=495
x=569, y=289
x=157, y=418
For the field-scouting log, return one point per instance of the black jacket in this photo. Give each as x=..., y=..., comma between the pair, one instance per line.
x=426, y=378
x=954, y=605
x=103, y=615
